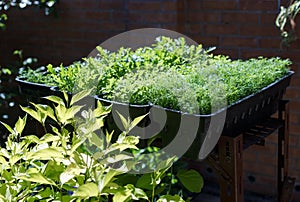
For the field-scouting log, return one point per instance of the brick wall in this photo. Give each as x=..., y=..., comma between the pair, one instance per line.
x=239, y=28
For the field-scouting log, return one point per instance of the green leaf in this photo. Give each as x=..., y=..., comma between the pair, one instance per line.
x=53, y=170
x=14, y=159
x=71, y=171
x=170, y=198
x=136, y=121
x=3, y=161
x=46, y=154
x=45, y=109
x=77, y=97
x=7, y=127
x=55, y=99
x=19, y=126
x=87, y=190
x=122, y=195
x=125, y=123
x=108, y=178
x=145, y=182
x=108, y=137
x=49, y=138
x=38, y=116
x=97, y=141
x=116, y=158
x=37, y=178
x=31, y=139
x=101, y=110
x=191, y=180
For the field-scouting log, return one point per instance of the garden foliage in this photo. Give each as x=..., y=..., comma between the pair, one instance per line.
x=170, y=73
x=76, y=160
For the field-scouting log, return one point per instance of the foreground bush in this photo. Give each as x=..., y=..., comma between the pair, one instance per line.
x=75, y=160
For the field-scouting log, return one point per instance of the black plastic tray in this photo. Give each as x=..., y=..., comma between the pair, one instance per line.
x=179, y=133
x=240, y=116
x=34, y=90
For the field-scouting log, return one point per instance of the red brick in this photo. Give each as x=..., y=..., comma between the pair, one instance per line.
x=268, y=42
x=268, y=18
x=255, y=30
x=295, y=129
x=295, y=80
x=97, y=15
x=253, y=53
x=294, y=117
x=232, y=53
x=78, y=4
x=170, y=6
x=240, y=17
x=220, y=29
x=294, y=140
x=144, y=5
x=206, y=41
x=238, y=42
x=152, y=17
x=295, y=104
x=170, y=26
x=195, y=29
x=263, y=5
x=193, y=5
x=293, y=55
x=219, y=5
x=138, y=25
x=111, y=4
x=200, y=16
x=292, y=93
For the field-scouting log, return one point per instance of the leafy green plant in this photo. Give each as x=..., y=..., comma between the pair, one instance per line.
x=285, y=21
x=171, y=74
x=76, y=160
x=3, y=17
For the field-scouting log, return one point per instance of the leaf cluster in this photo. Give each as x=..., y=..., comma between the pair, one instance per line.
x=285, y=21
x=75, y=160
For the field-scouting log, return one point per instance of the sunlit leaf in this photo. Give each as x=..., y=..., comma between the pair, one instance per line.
x=46, y=154
x=37, y=178
x=19, y=126
x=136, y=121
x=71, y=171
x=170, y=198
x=7, y=127
x=55, y=99
x=33, y=113
x=87, y=190
x=77, y=97
x=191, y=180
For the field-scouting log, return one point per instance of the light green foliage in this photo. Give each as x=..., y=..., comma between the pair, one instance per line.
x=75, y=160
x=3, y=17
x=171, y=74
x=285, y=21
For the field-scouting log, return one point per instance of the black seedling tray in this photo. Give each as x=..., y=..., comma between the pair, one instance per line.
x=178, y=133
x=240, y=116
x=33, y=90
